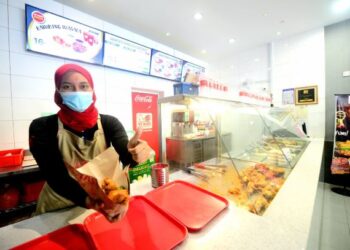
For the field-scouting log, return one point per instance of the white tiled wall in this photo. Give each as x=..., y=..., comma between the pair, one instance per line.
x=26, y=78
x=299, y=61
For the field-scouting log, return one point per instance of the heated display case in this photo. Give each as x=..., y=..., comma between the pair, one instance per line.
x=240, y=151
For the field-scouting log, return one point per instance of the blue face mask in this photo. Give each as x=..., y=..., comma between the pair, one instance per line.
x=77, y=101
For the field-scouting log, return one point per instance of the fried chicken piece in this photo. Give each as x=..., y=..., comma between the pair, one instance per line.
x=120, y=196
x=108, y=185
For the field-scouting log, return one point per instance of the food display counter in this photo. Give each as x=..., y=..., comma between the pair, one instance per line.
x=284, y=225
x=251, y=153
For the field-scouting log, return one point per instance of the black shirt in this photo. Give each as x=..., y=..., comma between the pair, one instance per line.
x=43, y=144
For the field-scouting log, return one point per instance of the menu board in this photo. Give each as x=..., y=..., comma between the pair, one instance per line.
x=165, y=66
x=123, y=54
x=190, y=69
x=55, y=35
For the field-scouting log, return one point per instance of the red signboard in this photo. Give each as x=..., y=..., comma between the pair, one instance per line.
x=145, y=114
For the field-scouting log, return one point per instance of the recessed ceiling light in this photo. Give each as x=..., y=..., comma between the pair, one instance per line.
x=341, y=6
x=231, y=40
x=257, y=60
x=278, y=33
x=265, y=14
x=91, y=1
x=232, y=66
x=168, y=34
x=198, y=16
x=203, y=51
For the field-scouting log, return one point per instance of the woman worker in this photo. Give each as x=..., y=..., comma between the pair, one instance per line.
x=73, y=136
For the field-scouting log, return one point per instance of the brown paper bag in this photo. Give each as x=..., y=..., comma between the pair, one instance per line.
x=91, y=175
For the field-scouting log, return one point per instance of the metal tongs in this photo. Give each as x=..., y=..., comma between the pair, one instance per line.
x=221, y=169
x=196, y=173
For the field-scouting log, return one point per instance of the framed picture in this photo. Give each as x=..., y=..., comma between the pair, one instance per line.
x=306, y=95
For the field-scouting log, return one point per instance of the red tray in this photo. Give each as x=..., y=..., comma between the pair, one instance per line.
x=190, y=204
x=68, y=237
x=145, y=226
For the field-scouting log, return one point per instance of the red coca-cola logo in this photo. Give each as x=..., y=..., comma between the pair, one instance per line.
x=38, y=17
x=146, y=98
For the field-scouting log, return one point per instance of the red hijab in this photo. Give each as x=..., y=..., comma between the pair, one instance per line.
x=75, y=120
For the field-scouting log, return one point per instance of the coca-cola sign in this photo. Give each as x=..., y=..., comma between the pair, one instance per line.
x=145, y=98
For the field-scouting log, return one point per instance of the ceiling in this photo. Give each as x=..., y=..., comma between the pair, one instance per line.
x=250, y=23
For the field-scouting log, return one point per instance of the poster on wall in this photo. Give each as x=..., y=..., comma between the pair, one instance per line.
x=58, y=36
x=191, y=72
x=123, y=54
x=288, y=96
x=165, y=66
x=341, y=150
x=145, y=115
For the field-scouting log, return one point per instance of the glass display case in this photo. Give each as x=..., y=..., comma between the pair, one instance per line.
x=240, y=151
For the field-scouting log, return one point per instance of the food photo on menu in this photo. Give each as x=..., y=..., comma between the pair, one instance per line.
x=165, y=66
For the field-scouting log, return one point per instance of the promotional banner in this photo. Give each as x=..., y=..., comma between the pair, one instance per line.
x=165, y=66
x=55, y=35
x=145, y=114
x=341, y=151
x=123, y=54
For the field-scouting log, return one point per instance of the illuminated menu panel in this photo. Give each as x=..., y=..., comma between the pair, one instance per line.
x=55, y=35
x=166, y=66
x=123, y=54
x=190, y=68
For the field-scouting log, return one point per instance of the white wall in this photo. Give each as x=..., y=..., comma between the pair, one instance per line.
x=26, y=78
x=299, y=61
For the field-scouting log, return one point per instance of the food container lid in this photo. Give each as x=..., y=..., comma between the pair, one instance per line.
x=145, y=226
x=68, y=237
x=191, y=205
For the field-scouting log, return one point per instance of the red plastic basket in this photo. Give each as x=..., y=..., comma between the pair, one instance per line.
x=11, y=157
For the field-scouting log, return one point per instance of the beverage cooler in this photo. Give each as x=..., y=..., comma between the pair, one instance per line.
x=240, y=151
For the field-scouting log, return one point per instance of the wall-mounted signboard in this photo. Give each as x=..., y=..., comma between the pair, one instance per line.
x=58, y=36
x=123, y=54
x=166, y=66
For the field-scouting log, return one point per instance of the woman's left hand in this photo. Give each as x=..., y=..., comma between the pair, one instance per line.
x=139, y=149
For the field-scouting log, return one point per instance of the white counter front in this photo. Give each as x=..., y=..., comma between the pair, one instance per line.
x=284, y=225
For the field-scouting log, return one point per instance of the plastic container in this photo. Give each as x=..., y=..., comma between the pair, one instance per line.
x=11, y=157
x=31, y=191
x=185, y=88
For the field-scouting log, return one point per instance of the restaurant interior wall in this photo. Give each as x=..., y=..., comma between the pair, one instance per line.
x=299, y=61
x=291, y=62
x=26, y=78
